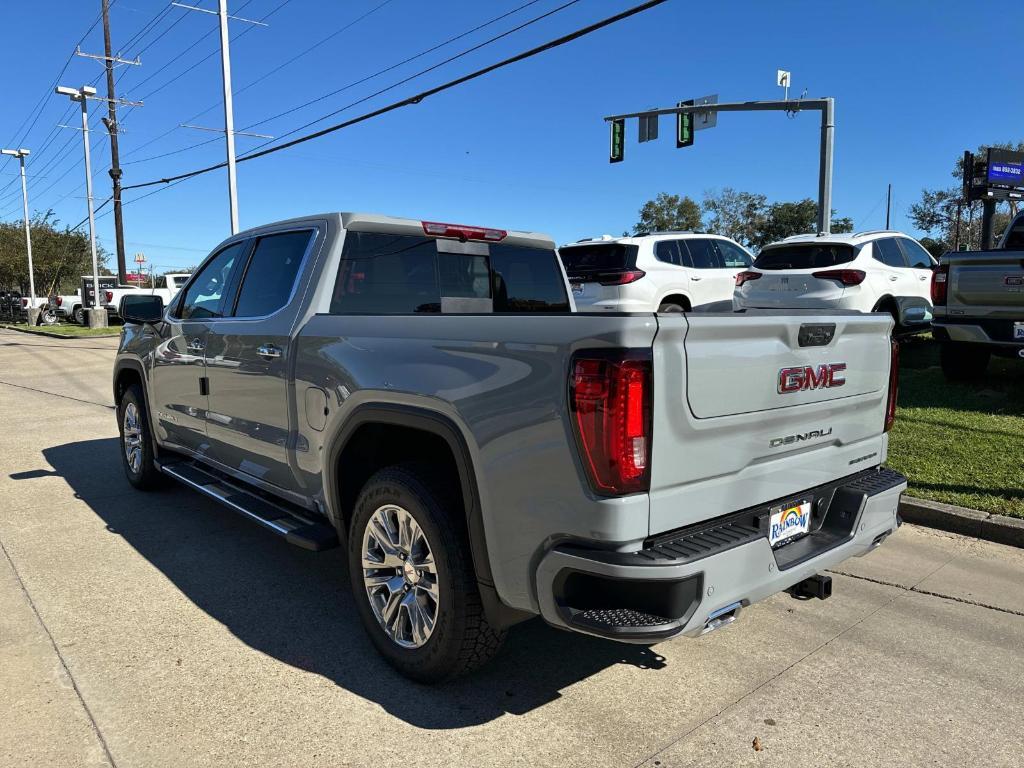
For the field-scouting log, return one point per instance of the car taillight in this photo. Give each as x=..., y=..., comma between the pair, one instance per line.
x=610, y=404
x=622, y=278
x=894, y=385
x=24, y=302
x=59, y=300
x=109, y=295
x=463, y=232
x=746, y=277
x=940, y=284
x=844, y=276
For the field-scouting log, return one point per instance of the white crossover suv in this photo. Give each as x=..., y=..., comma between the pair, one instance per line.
x=879, y=271
x=657, y=272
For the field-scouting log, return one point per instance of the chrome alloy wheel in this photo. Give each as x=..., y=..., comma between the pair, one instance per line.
x=132, y=437
x=400, y=576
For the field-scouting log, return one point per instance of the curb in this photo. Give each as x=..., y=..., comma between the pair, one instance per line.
x=967, y=522
x=53, y=335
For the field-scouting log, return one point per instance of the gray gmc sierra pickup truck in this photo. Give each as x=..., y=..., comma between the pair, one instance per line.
x=979, y=305
x=424, y=394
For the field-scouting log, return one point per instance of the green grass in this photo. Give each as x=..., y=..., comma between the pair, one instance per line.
x=69, y=330
x=961, y=444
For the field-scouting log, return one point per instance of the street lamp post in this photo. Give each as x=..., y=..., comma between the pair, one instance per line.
x=97, y=314
x=33, y=310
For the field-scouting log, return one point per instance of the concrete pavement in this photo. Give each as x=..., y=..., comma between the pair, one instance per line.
x=162, y=630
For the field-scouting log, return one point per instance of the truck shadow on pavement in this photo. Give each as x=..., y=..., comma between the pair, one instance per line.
x=296, y=605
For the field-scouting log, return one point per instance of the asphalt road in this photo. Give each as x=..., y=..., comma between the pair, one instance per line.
x=162, y=630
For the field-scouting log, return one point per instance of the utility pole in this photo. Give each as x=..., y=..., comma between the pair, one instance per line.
x=229, y=112
x=33, y=310
x=888, y=205
x=826, y=145
x=97, y=314
x=110, y=121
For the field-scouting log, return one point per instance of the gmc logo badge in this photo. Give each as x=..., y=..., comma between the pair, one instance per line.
x=805, y=377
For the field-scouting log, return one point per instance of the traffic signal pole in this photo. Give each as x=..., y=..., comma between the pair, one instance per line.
x=826, y=143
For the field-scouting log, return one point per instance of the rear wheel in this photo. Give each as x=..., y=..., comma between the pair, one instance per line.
x=671, y=307
x=412, y=577
x=963, y=362
x=79, y=315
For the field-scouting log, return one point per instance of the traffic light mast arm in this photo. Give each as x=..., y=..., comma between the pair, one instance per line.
x=827, y=108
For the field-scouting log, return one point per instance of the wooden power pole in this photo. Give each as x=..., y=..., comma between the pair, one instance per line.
x=115, y=161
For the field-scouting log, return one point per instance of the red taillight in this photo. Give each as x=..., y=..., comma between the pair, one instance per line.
x=59, y=300
x=844, y=276
x=610, y=402
x=940, y=285
x=746, y=277
x=463, y=232
x=24, y=302
x=109, y=295
x=622, y=278
x=894, y=386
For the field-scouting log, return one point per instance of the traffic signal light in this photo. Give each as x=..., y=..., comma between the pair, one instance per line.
x=618, y=141
x=684, y=126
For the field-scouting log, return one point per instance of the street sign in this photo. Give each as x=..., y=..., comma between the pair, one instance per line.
x=648, y=128
x=684, y=126
x=782, y=78
x=707, y=119
x=617, y=150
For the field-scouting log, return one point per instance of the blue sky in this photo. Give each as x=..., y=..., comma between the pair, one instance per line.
x=916, y=83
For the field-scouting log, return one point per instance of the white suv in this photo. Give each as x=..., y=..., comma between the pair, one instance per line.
x=879, y=271
x=659, y=272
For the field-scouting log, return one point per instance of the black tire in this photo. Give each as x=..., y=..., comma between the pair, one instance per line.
x=669, y=306
x=963, y=362
x=461, y=639
x=145, y=477
x=79, y=315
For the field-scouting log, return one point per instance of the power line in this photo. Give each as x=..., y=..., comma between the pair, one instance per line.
x=353, y=84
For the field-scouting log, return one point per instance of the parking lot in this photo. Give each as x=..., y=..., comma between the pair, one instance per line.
x=150, y=630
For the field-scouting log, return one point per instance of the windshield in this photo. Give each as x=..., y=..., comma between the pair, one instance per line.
x=805, y=256
x=598, y=257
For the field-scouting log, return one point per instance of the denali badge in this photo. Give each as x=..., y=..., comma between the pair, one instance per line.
x=805, y=377
x=814, y=434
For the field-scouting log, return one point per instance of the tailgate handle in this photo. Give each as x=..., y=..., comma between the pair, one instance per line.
x=819, y=335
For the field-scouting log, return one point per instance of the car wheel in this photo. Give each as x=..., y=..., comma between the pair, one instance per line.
x=48, y=317
x=963, y=362
x=79, y=315
x=137, y=441
x=412, y=577
x=671, y=307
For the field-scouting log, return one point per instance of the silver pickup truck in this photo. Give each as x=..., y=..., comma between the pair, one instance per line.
x=979, y=305
x=424, y=395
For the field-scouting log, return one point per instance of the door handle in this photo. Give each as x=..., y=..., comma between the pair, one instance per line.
x=196, y=345
x=894, y=278
x=922, y=277
x=268, y=352
x=694, y=277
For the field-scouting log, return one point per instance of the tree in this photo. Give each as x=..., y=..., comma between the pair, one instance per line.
x=783, y=220
x=739, y=215
x=668, y=212
x=60, y=256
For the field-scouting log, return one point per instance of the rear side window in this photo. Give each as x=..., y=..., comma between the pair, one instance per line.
x=917, y=256
x=732, y=255
x=887, y=251
x=669, y=252
x=271, y=273
x=383, y=274
x=598, y=257
x=703, y=254
x=805, y=256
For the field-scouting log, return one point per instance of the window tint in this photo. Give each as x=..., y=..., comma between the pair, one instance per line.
x=703, y=254
x=668, y=252
x=888, y=252
x=204, y=296
x=732, y=255
x=527, y=280
x=384, y=274
x=271, y=274
x=598, y=257
x=917, y=256
x=804, y=256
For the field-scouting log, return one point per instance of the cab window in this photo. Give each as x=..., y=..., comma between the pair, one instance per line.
x=205, y=295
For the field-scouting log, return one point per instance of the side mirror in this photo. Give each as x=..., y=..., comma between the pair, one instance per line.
x=141, y=309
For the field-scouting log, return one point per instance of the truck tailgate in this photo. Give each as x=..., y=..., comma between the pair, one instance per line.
x=994, y=279
x=764, y=414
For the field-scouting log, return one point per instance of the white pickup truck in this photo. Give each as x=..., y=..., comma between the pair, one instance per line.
x=165, y=286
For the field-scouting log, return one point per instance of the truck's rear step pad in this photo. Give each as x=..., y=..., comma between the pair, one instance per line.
x=296, y=525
